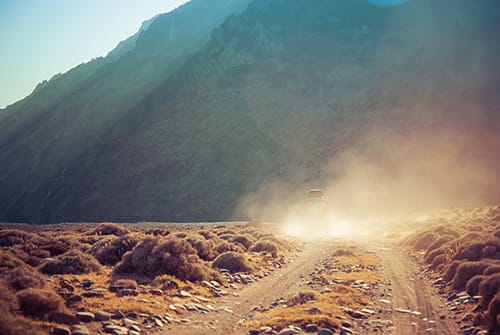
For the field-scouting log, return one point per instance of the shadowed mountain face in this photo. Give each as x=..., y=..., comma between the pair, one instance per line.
x=198, y=111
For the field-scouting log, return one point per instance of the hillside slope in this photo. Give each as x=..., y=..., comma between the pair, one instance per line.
x=275, y=96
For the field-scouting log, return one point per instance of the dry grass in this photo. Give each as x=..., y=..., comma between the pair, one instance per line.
x=107, y=228
x=301, y=298
x=110, y=250
x=488, y=288
x=74, y=262
x=24, y=277
x=39, y=303
x=472, y=286
x=233, y=261
x=264, y=246
x=466, y=271
x=173, y=256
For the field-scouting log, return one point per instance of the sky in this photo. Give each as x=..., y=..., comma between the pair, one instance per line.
x=41, y=38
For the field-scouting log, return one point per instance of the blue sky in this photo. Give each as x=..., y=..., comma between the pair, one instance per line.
x=40, y=38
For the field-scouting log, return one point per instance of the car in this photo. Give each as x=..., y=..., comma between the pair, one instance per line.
x=315, y=209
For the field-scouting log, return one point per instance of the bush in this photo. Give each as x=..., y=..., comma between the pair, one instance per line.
x=10, y=237
x=301, y=298
x=9, y=324
x=438, y=262
x=8, y=261
x=425, y=240
x=107, y=228
x=173, y=256
x=472, y=286
x=244, y=239
x=466, y=271
x=224, y=246
x=74, y=262
x=165, y=282
x=232, y=261
x=451, y=270
x=494, y=310
x=24, y=277
x=264, y=246
x=439, y=243
x=488, y=288
x=110, y=251
x=491, y=270
x=443, y=250
x=38, y=303
x=205, y=248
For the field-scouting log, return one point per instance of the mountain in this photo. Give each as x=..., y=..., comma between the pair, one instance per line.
x=222, y=104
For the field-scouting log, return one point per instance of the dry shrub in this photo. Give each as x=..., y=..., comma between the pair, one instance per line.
x=301, y=298
x=478, y=250
x=165, y=282
x=497, y=233
x=24, y=277
x=10, y=237
x=494, y=312
x=264, y=246
x=74, y=262
x=488, y=288
x=244, y=239
x=224, y=246
x=30, y=253
x=470, y=237
x=208, y=235
x=445, y=230
x=8, y=261
x=107, y=228
x=110, y=250
x=38, y=303
x=206, y=249
x=439, y=243
x=9, y=324
x=155, y=256
x=232, y=261
x=491, y=270
x=59, y=246
x=124, y=283
x=425, y=240
x=443, y=250
x=466, y=271
x=438, y=262
x=472, y=286
x=451, y=270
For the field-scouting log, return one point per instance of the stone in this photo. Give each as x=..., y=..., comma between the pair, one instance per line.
x=345, y=331
x=114, y=329
x=313, y=310
x=184, y=294
x=93, y=294
x=253, y=332
x=132, y=315
x=288, y=331
x=86, y=283
x=66, y=285
x=64, y=318
x=79, y=330
x=60, y=330
x=85, y=316
x=325, y=331
x=74, y=299
x=118, y=315
x=311, y=328
x=126, y=292
x=102, y=316
x=156, y=292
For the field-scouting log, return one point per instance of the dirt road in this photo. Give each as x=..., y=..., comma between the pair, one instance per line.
x=410, y=306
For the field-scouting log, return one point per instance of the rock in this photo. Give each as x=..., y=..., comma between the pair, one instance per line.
x=325, y=331
x=132, y=315
x=118, y=315
x=86, y=283
x=288, y=331
x=313, y=310
x=311, y=328
x=184, y=294
x=133, y=332
x=359, y=315
x=79, y=330
x=66, y=285
x=93, y=294
x=126, y=292
x=85, y=316
x=114, y=329
x=64, y=318
x=74, y=299
x=253, y=332
x=59, y=330
x=345, y=331
x=156, y=292
x=102, y=316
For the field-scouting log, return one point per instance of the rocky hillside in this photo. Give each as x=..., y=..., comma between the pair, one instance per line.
x=201, y=112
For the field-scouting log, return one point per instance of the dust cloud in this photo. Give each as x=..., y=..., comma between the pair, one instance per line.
x=385, y=176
